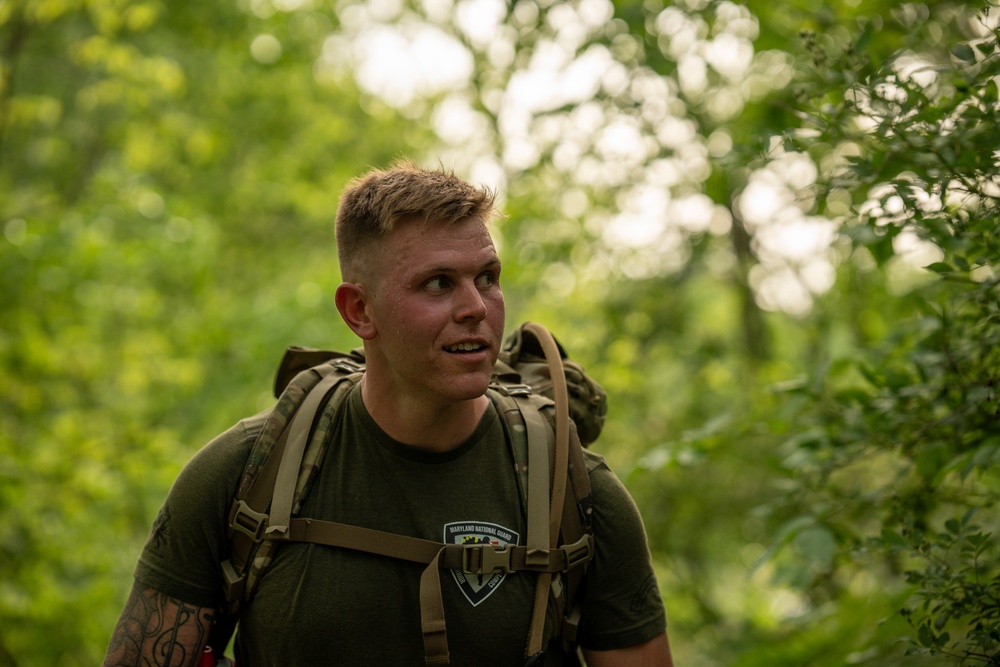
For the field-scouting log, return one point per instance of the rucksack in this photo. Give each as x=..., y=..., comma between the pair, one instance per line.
x=552, y=409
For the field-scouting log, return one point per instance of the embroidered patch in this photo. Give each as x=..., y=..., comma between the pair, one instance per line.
x=478, y=587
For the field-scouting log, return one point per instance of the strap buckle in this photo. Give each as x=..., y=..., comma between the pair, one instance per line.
x=486, y=558
x=580, y=552
x=517, y=389
x=348, y=365
x=248, y=522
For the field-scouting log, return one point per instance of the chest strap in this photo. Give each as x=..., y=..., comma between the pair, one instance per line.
x=469, y=558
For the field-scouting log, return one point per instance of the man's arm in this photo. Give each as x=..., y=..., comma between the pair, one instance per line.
x=157, y=630
x=654, y=653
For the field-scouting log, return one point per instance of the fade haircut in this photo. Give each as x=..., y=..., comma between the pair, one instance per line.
x=372, y=204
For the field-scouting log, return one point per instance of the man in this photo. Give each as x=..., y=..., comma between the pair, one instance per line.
x=419, y=447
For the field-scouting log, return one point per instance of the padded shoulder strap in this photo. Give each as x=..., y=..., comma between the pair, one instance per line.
x=531, y=438
x=284, y=460
x=528, y=415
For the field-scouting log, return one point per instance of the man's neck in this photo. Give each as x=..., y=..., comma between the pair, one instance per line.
x=422, y=425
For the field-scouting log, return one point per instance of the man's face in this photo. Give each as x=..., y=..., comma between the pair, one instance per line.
x=438, y=310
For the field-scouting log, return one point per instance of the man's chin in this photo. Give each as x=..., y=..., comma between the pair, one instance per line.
x=470, y=388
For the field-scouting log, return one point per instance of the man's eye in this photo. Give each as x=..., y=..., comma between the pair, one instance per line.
x=486, y=279
x=437, y=283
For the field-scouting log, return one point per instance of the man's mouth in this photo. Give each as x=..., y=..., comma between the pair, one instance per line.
x=463, y=347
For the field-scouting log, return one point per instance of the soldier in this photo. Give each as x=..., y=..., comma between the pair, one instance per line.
x=418, y=447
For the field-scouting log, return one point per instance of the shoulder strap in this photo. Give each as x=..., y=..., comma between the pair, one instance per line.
x=520, y=407
x=566, y=517
x=279, y=471
x=559, y=475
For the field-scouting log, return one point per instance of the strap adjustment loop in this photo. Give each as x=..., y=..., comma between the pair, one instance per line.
x=538, y=558
x=233, y=583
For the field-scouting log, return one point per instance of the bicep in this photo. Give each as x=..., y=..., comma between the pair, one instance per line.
x=654, y=653
x=158, y=630
x=621, y=604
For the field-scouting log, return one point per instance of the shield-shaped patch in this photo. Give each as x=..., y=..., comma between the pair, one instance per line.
x=478, y=587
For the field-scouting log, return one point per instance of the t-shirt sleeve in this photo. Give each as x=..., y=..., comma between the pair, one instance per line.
x=621, y=604
x=188, y=541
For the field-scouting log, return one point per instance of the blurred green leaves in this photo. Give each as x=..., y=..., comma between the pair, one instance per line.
x=162, y=196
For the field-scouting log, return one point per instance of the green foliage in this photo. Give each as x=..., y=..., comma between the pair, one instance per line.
x=898, y=442
x=956, y=586
x=155, y=208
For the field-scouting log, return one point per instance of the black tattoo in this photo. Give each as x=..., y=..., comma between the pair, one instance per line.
x=156, y=630
x=160, y=526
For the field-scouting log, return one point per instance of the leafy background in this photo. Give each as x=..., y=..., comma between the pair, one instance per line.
x=769, y=229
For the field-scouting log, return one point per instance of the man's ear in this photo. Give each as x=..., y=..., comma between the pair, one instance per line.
x=352, y=302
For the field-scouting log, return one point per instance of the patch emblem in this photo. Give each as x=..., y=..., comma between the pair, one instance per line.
x=478, y=587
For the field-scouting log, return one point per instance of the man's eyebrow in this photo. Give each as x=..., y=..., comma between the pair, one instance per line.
x=492, y=263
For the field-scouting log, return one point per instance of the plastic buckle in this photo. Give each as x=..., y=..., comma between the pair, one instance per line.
x=579, y=552
x=491, y=559
x=249, y=522
x=349, y=365
x=518, y=389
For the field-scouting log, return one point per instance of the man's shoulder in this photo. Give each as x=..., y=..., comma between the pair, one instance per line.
x=230, y=448
x=250, y=428
x=594, y=461
x=606, y=486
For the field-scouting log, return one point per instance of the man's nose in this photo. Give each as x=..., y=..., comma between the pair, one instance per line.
x=471, y=304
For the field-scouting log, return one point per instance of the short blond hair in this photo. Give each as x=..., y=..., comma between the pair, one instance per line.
x=372, y=204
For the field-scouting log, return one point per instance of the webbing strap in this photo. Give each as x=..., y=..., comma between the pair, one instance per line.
x=537, y=628
x=246, y=518
x=559, y=474
x=432, y=623
x=470, y=558
x=561, y=396
x=538, y=477
x=538, y=514
x=574, y=518
x=346, y=536
x=291, y=459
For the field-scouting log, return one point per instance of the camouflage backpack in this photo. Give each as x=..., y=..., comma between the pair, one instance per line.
x=533, y=378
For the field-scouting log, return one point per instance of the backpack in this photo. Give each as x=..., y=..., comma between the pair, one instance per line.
x=532, y=379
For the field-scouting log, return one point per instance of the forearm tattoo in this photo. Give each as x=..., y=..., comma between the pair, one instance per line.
x=156, y=630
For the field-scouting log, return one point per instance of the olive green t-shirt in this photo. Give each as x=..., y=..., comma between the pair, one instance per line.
x=322, y=605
